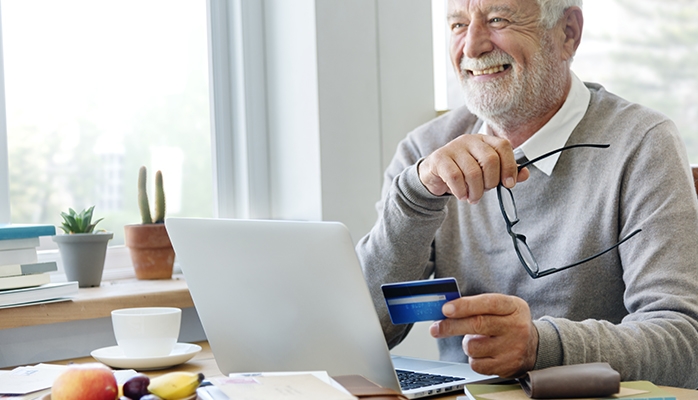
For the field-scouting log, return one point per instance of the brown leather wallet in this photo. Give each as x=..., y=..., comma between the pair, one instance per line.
x=363, y=388
x=570, y=381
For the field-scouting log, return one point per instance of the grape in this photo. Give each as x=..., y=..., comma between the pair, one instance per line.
x=136, y=386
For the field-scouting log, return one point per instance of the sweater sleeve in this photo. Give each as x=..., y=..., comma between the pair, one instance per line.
x=399, y=247
x=657, y=339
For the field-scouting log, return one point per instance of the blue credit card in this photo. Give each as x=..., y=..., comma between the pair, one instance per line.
x=414, y=301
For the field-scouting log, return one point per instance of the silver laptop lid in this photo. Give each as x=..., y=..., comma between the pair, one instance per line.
x=281, y=296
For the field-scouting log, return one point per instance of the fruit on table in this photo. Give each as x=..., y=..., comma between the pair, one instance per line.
x=146, y=397
x=175, y=385
x=136, y=386
x=150, y=397
x=89, y=381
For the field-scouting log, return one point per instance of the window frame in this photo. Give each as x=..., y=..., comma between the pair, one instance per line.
x=4, y=163
x=238, y=108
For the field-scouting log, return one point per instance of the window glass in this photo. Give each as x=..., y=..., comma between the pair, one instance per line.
x=646, y=52
x=642, y=50
x=94, y=90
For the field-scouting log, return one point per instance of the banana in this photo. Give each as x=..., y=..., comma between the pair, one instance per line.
x=175, y=385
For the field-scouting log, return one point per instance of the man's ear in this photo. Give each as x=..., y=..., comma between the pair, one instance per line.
x=573, y=21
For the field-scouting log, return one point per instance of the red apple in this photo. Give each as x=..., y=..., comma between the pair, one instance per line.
x=90, y=381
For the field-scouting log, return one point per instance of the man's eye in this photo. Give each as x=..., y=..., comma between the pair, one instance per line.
x=458, y=25
x=498, y=21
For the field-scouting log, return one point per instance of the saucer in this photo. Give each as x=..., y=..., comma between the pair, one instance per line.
x=114, y=357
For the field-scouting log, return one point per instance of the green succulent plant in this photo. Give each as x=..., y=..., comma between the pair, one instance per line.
x=143, y=203
x=74, y=222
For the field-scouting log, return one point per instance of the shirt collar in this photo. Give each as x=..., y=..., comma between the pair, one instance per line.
x=555, y=133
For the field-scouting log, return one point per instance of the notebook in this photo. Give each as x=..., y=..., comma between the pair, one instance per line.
x=291, y=296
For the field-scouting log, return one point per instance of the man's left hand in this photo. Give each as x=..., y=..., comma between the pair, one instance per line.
x=500, y=337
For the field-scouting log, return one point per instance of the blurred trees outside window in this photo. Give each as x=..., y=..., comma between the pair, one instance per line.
x=94, y=90
x=646, y=52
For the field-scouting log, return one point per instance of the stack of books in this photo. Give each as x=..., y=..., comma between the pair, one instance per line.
x=24, y=280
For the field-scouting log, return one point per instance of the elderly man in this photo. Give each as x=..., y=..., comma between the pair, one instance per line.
x=586, y=255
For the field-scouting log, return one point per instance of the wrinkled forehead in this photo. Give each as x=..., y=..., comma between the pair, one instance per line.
x=469, y=8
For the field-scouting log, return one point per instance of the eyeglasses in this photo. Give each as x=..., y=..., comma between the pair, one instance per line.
x=508, y=207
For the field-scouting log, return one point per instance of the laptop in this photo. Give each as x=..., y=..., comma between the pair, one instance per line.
x=291, y=296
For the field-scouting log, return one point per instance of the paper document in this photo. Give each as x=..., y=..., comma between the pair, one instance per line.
x=23, y=380
x=282, y=386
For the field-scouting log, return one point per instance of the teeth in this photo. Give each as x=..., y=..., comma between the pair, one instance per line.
x=489, y=71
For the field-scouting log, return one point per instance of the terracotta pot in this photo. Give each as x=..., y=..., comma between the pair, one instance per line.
x=151, y=251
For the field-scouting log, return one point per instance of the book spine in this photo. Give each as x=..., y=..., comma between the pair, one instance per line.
x=18, y=256
x=38, y=268
x=16, y=282
x=10, y=270
x=41, y=293
x=26, y=243
x=25, y=231
x=27, y=269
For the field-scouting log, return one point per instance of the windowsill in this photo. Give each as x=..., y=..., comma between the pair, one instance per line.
x=99, y=302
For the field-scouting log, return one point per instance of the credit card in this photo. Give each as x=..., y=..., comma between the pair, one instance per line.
x=414, y=301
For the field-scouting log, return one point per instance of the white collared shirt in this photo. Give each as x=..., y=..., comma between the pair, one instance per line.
x=555, y=133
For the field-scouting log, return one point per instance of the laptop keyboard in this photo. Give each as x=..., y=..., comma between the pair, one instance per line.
x=412, y=380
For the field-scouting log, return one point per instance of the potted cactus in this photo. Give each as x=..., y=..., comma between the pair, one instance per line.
x=83, y=250
x=150, y=247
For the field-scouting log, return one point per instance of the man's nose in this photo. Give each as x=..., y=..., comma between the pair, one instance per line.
x=477, y=40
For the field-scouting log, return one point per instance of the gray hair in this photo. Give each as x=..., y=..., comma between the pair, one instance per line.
x=552, y=10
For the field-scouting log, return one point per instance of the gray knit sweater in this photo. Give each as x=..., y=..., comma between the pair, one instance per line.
x=635, y=307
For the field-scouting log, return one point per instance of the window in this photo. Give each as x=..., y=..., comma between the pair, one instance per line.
x=644, y=51
x=93, y=91
x=269, y=137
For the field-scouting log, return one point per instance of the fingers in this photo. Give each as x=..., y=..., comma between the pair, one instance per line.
x=499, y=335
x=508, y=167
x=468, y=166
x=522, y=175
x=505, y=356
x=486, y=314
x=483, y=304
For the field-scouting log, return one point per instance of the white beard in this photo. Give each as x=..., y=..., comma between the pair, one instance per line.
x=508, y=102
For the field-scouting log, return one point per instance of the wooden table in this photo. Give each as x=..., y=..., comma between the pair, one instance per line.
x=206, y=364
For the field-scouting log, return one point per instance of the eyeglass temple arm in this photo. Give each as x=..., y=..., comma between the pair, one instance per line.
x=572, y=146
x=550, y=271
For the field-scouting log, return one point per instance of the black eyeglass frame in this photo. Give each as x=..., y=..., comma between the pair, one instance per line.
x=519, y=238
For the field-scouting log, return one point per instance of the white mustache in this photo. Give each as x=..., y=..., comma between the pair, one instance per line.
x=487, y=61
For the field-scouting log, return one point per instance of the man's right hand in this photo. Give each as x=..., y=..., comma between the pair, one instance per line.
x=469, y=165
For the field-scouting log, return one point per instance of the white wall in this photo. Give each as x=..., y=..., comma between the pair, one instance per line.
x=346, y=80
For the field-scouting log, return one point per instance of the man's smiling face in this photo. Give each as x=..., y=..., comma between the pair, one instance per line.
x=506, y=61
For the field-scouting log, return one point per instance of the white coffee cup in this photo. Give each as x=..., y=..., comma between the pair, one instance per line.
x=146, y=331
